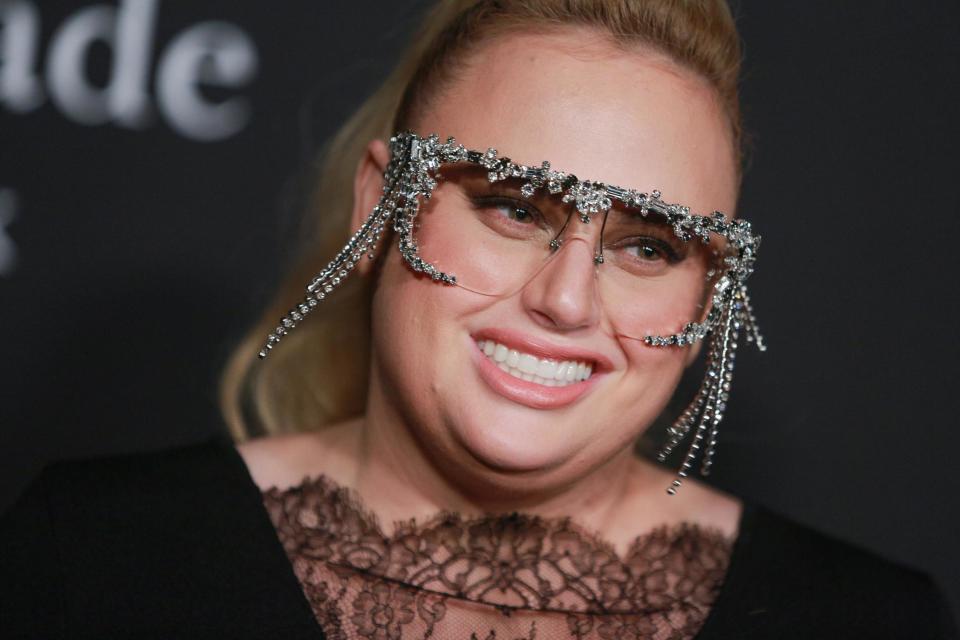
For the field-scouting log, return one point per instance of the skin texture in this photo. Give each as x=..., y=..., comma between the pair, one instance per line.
x=435, y=434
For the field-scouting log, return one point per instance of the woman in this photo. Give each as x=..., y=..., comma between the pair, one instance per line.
x=482, y=379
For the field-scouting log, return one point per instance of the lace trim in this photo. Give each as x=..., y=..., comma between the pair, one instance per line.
x=514, y=573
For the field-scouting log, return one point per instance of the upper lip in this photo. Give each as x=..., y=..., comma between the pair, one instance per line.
x=543, y=348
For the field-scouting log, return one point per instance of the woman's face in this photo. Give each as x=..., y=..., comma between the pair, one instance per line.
x=632, y=119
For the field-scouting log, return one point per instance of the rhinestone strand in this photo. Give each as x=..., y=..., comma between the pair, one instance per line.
x=681, y=427
x=702, y=407
x=364, y=241
x=713, y=377
x=721, y=395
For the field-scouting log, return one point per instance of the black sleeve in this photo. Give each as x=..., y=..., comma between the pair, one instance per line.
x=940, y=611
x=155, y=545
x=31, y=585
x=910, y=604
x=790, y=582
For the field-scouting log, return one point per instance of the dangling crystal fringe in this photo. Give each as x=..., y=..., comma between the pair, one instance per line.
x=753, y=332
x=710, y=402
x=721, y=386
x=364, y=241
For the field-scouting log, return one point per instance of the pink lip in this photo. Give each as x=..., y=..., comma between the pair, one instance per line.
x=527, y=393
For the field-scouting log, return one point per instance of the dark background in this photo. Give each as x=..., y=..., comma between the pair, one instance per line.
x=132, y=256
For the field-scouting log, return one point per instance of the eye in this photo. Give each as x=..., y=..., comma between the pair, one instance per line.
x=512, y=209
x=650, y=250
x=509, y=209
x=516, y=219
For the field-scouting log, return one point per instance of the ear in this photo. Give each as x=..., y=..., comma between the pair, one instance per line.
x=367, y=189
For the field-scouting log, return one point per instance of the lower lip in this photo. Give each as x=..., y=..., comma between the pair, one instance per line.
x=528, y=393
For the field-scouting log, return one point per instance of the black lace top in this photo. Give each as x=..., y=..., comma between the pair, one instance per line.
x=177, y=544
x=509, y=577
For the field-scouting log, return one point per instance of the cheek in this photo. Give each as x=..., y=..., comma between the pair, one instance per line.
x=660, y=305
x=401, y=332
x=414, y=323
x=691, y=292
x=651, y=377
x=450, y=237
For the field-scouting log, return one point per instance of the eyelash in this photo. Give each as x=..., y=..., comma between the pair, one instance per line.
x=669, y=253
x=493, y=201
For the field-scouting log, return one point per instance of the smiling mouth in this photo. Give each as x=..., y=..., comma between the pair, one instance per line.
x=525, y=366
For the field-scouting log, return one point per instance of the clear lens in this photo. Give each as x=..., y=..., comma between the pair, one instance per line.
x=495, y=239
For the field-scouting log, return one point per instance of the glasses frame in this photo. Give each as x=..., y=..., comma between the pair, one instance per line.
x=419, y=161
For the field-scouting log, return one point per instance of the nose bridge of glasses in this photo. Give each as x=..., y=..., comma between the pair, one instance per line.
x=574, y=251
x=576, y=229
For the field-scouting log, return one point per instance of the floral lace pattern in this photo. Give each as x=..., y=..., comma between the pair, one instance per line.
x=497, y=577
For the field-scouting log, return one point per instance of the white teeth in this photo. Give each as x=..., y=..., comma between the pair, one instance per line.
x=561, y=373
x=527, y=367
x=528, y=363
x=547, y=369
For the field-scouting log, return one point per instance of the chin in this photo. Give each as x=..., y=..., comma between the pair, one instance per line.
x=514, y=445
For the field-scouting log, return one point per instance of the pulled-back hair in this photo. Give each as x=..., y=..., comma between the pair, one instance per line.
x=320, y=373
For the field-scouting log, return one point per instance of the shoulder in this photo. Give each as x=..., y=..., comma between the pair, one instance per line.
x=283, y=461
x=278, y=461
x=131, y=477
x=803, y=549
x=129, y=545
x=119, y=502
x=788, y=575
x=696, y=502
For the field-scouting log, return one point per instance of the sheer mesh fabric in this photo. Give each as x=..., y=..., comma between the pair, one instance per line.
x=505, y=577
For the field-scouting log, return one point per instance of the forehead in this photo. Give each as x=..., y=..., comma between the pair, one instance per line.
x=634, y=119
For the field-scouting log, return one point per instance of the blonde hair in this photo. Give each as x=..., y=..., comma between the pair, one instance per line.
x=319, y=374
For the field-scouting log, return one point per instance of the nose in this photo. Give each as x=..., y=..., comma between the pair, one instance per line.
x=563, y=295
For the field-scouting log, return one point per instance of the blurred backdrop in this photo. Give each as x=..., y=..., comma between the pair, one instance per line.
x=149, y=154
